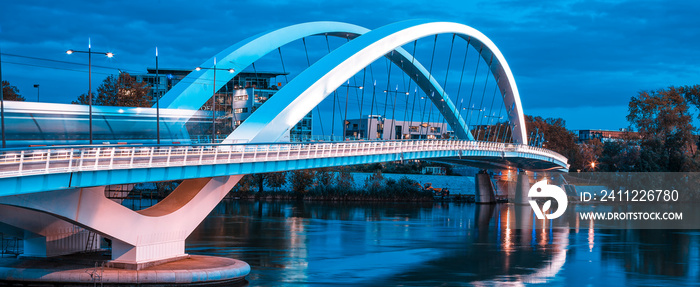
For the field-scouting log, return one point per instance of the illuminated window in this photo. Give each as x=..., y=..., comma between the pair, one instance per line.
x=241, y=110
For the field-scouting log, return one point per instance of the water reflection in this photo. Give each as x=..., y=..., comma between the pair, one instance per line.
x=426, y=244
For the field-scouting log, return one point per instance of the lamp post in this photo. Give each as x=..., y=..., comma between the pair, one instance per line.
x=90, y=52
x=213, y=98
x=393, y=120
x=37, y=92
x=157, y=93
x=2, y=105
x=345, y=121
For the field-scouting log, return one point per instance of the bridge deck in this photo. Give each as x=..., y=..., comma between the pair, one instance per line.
x=82, y=161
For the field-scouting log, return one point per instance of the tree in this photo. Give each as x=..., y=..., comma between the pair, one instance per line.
x=345, y=180
x=557, y=138
x=276, y=180
x=82, y=100
x=587, y=155
x=301, y=180
x=10, y=92
x=664, y=124
x=122, y=90
x=258, y=180
x=619, y=155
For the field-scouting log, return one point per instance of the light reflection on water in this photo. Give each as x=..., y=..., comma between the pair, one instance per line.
x=429, y=244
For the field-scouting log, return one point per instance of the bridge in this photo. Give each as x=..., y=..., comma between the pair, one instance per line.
x=57, y=194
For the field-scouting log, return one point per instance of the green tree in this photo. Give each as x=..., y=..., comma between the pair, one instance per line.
x=10, y=92
x=122, y=90
x=664, y=124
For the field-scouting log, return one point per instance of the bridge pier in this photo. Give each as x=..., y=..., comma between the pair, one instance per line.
x=522, y=187
x=484, y=188
x=140, y=238
x=45, y=235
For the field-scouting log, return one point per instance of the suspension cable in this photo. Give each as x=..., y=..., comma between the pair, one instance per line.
x=430, y=77
x=283, y=69
x=500, y=111
x=335, y=94
x=413, y=57
x=483, y=94
x=308, y=64
x=471, y=94
x=461, y=76
x=444, y=86
x=493, y=98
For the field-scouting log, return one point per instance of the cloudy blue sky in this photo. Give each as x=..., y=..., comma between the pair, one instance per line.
x=579, y=60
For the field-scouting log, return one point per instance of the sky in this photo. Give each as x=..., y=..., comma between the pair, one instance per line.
x=578, y=60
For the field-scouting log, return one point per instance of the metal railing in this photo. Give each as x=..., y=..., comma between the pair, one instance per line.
x=44, y=160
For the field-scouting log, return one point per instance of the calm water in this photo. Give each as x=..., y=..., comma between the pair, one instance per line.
x=435, y=244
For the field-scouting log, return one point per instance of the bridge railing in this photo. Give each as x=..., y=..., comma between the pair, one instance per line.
x=18, y=162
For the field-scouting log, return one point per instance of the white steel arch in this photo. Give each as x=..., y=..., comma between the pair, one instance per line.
x=270, y=122
x=188, y=94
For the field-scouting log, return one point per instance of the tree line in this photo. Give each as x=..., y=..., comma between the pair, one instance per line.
x=329, y=184
x=665, y=139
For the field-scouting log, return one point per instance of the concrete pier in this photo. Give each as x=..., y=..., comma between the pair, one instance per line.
x=82, y=270
x=522, y=187
x=484, y=188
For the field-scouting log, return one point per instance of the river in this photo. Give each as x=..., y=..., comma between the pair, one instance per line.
x=433, y=244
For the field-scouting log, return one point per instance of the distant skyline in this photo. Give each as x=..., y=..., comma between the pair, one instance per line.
x=578, y=60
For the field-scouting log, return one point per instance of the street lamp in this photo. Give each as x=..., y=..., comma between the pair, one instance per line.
x=157, y=94
x=90, y=52
x=37, y=92
x=393, y=113
x=2, y=105
x=213, y=98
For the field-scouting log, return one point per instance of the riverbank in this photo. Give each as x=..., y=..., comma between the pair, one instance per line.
x=289, y=196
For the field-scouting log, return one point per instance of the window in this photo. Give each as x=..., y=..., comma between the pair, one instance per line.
x=413, y=129
x=241, y=110
x=241, y=98
x=435, y=130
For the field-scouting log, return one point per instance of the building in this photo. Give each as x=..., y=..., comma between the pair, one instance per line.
x=377, y=127
x=235, y=101
x=605, y=135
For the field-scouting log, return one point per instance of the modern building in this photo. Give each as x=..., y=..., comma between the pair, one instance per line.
x=374, y=127
x=235, y=101
x=605, y=135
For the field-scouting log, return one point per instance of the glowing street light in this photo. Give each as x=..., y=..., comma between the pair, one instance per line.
x=90, y=52
x=213, y=98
